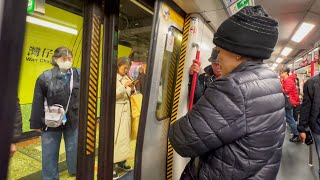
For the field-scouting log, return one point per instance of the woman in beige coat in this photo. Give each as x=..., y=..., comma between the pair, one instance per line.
x=125, y=87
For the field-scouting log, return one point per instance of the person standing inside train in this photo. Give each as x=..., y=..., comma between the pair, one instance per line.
x=290, y=89
x=54, y=87
x=236, y=130
x=310, y=112
x=140, y=80
x=125, y=87
x=212, y=72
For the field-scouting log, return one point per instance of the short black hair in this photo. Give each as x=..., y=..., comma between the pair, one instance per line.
x=60, y=52
x=285, y=69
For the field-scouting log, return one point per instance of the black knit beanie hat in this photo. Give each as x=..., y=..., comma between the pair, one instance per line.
x=250, y=32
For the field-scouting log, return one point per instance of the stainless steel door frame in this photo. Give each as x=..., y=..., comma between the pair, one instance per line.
x=151, y=152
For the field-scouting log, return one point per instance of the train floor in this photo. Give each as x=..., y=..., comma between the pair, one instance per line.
x=295, y=160
x=26, y=163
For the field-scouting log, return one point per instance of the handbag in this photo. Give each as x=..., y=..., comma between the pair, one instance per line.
x=309, y=139
x=136, y=102
x=54, y=115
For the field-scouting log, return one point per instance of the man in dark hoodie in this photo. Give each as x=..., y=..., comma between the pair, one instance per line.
x=212, y=72
x=235, y=128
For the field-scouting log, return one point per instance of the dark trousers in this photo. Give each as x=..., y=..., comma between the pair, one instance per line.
x=296, y=113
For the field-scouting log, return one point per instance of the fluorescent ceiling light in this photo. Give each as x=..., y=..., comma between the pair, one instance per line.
x=279, y=60
x=316, y=49
x=290, y=66
x=286, y=51
x=298, y=60
x=274, y=65
x=51, y=25
x=142, y=6
x=303, y=30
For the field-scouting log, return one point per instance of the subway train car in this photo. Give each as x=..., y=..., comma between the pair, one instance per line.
x=161, y=38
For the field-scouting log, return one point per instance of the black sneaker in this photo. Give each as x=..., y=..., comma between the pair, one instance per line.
x=295, y=139
x=115, y=175
x=125, y=167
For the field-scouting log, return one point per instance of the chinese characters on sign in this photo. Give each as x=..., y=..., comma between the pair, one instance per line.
x=37, y=54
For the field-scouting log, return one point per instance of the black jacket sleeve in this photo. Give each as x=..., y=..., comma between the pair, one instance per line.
x=17, y=126
x=198, y=93
x=305, y=108
x=217, y=119
x=37, y=112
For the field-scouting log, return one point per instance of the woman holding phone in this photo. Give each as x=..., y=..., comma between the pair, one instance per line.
x=125, y=87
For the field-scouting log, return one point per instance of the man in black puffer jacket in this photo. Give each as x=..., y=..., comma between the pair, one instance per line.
x=236, y=128
x=310, y=112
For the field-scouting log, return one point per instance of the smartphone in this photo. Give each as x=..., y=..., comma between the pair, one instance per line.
x=135, y=82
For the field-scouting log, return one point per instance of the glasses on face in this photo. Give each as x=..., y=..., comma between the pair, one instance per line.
x=215, y=53
x=67, y=58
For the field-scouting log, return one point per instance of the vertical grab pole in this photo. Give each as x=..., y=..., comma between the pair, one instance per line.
x=194, y=31
x=310, y=156
x=312, y=74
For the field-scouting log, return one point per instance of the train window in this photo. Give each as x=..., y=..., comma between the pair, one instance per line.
x=168, y=73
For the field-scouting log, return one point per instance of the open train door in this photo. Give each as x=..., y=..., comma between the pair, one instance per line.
x=12, y=28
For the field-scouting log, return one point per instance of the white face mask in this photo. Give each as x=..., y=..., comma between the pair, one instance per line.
x=64, y=66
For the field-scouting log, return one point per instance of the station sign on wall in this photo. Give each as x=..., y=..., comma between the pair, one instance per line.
x=234, y=6
x=229, y=2
x=30, y=8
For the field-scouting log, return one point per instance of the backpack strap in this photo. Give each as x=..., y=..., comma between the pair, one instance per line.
x=47, y=74
x=78, y=71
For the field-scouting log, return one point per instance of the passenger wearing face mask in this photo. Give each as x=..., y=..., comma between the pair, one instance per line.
x=53, y=86
x=125, y=87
